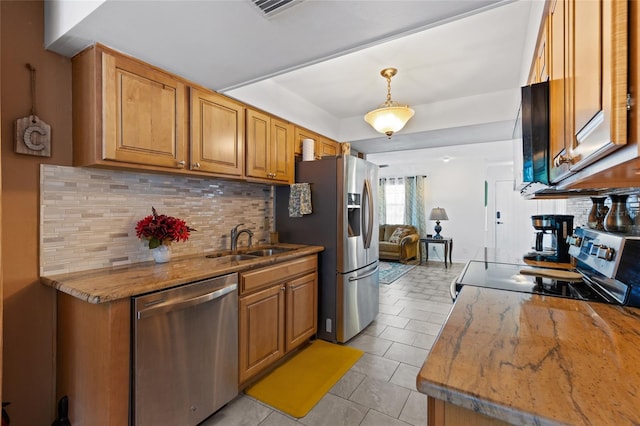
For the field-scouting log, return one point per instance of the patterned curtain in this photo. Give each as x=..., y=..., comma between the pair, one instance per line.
x=414, y=203
x=382, y=201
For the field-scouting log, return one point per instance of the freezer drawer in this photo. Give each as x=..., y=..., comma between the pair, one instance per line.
x=358, y=293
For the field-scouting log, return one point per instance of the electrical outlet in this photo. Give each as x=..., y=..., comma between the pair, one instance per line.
x=433, y=248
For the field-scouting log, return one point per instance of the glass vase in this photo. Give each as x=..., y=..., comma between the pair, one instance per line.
x=161, y=254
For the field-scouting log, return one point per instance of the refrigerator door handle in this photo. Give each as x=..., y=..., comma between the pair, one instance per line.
x=369, y=224
x=359, y=277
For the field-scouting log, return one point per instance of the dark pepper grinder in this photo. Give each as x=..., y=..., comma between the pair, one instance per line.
x=63, y=413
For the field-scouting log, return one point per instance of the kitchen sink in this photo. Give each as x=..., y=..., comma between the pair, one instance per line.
x=268, y=251
x=231, y=257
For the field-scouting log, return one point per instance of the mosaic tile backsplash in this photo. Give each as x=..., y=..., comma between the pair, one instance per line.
x=88, y=216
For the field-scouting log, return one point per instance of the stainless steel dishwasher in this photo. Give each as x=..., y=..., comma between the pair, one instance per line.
x=185, y=352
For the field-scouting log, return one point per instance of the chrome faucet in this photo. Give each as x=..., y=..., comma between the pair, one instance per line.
x=235, y=234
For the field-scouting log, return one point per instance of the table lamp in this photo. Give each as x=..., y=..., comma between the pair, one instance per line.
x=438, y=214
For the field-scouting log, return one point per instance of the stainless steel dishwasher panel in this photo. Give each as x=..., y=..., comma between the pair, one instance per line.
x=185, y=352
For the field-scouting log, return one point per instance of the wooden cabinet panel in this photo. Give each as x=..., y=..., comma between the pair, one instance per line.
x=93, y=360
x=281, y=151
x=270, y=275
x=144, y=111
x=327, y=148
x=217, y=134
x=261, y=330
x=258, y=138
x=269, y=147
x=587, y=53
x=126, y=113
x=542, y=70
x=272, y=321
x=596, y=78
x=442, y=413
x=302, y=313
x=557, y=114
x=322, y=146
x=301, y=134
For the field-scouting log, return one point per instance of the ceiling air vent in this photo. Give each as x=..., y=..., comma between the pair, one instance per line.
x=273, y=7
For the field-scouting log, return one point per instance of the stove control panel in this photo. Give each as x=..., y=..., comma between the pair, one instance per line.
x=597, y=250
x=602, y=252
x=574, y=240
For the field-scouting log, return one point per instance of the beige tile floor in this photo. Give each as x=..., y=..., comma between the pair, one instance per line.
x=380, y=389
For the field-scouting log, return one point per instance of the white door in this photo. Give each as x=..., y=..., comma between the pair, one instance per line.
x=506, y=233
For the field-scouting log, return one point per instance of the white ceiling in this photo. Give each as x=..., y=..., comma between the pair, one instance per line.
x=317, y=63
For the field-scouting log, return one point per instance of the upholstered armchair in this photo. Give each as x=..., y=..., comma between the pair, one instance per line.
x=398, y=242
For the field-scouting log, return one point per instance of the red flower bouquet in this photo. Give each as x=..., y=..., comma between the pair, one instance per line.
x=160, y=229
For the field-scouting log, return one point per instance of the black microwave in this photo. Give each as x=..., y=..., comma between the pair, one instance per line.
x=535, y=133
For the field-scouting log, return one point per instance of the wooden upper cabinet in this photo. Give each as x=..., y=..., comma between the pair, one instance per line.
x=322, y=146
x=126, y=112
x=217, y=134
x=327, y=148
x=556, y=46
x=597, y=51
x=269, y=147
x=542, y=56
x=281, y=151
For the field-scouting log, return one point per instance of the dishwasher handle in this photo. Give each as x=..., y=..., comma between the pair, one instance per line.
x=174, y=305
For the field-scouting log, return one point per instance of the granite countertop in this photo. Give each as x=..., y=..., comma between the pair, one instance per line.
x=531, y=359
x=109, y=284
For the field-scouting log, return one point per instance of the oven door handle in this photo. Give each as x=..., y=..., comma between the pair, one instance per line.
x=452, y=288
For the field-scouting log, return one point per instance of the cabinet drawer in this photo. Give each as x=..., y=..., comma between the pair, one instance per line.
x=264, y=277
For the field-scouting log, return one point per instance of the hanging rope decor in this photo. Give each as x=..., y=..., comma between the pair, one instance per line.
x=33, y=136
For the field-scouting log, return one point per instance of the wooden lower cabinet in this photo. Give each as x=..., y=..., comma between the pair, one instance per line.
x=441, y=413
x=302, y=310
x=261, y=330
x=93, y=351
x=276, y=315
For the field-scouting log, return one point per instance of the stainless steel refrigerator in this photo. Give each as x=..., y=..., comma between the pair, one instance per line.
x=344, y=220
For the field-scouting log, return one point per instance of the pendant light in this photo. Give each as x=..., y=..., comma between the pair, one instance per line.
x=390, y=117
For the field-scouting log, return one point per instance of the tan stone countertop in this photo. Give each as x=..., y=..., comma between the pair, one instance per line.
x=529, y=359
x=108, y=284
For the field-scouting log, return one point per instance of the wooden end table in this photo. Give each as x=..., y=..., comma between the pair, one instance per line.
x=448, y=248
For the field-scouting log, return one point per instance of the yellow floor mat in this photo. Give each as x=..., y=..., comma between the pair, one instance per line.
x=298, y=384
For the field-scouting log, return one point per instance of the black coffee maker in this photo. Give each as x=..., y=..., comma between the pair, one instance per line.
x=557, y=228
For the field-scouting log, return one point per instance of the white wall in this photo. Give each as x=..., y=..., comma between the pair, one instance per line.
x=458, y=186
x=521, y=211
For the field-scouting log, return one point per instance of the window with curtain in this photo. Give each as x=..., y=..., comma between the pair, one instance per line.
x=401, y=201
x=394, y=201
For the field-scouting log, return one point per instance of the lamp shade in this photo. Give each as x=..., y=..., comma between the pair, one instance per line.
x=389, y=120
x=438, y=213
x=391, y=116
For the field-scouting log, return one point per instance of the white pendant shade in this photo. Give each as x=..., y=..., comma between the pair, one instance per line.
x=390, y=117
x=389, y=120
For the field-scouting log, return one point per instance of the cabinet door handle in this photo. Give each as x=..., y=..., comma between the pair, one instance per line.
x=561, y=159
x=181, y=164
x=196, y=165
